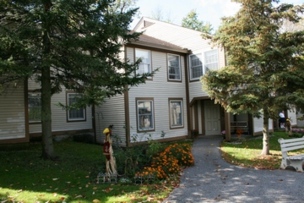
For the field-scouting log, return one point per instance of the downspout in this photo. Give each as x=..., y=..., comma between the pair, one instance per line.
x=187, y=95
x=127, y=120
x=94, y=123
x=26, y=113
x=227, y=115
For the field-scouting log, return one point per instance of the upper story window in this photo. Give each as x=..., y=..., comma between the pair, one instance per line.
x=145, y=114
x=34, y=107
x=75, y=114
x=145, y=65
x=174, y=69
x=211, y=60
x=196, y=66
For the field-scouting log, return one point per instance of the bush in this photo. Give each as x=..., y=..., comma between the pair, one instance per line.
x=169, y=162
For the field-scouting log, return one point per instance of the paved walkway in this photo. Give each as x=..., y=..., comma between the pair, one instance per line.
x=212, y=179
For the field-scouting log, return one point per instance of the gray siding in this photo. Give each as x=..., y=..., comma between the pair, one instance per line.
x=196, y=87
x=12, y=116
x=185, y=38
x=111, y=112
x=59, y=115
x=160, y=90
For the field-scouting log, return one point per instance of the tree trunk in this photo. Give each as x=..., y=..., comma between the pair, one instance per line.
x=46, y=94
x=46, y=115
x=265, y=150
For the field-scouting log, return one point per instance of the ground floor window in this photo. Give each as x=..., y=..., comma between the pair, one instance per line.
x=75, y=114
x=34, y=107
x=145, y=114
x=176, y=113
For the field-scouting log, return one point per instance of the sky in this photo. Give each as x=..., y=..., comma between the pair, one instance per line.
x=208, y=10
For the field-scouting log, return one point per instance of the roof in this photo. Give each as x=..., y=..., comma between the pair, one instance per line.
x=174, y=34
x=145, y=40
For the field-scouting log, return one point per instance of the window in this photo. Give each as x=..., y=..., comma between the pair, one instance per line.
x=176, y=113
x=145, y=115
x=75, y=114
x=174, y=70
x=196, y=66
x=34, y=107
x=211, y=60
x=145, y=65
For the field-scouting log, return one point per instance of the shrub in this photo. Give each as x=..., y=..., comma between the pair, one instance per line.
x=169, y=162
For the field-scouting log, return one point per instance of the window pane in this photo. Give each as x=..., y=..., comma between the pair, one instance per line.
x=176, y=113
x=75, y=114
x=145, y=115
x=174, y=67
x=34, y=107
x=211, y=60
x=145, y=65
x=196, y=66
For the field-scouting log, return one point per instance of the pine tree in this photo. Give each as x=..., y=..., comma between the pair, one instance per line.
x=66, y=43
x=265, y=70
x=191, y=21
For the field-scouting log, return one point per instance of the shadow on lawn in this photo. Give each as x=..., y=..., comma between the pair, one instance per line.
x=25, y=177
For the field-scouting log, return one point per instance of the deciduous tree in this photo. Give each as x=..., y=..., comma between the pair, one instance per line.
x=66, y=43
x=265, y=70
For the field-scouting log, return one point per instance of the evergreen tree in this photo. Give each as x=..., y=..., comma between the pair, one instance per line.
x=66, y=43
x=265, y=70
x=191, y=21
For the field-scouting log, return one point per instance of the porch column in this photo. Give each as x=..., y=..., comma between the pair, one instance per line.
x=227, y=126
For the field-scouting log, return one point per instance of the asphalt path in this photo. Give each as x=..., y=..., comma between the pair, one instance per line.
x=212, y=179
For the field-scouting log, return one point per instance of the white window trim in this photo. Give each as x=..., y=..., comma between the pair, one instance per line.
x=68, y=113
x=200, y=55
x=179, y=67
x=205, y=59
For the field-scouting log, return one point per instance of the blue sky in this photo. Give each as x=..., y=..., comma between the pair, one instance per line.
x=208, y=10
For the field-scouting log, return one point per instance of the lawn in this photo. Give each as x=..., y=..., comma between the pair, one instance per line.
x=247, y=152
x=26, y=178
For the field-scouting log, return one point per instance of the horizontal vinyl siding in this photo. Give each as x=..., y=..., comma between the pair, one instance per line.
x=258, y=125
x=59, y=117
x=111, y=112
x=32, y=85
x=293, y=116
x=196, y=87
x=185, y=38
x=12, y=113
x=160, y=90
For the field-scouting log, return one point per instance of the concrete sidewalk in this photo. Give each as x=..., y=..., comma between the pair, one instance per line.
x=212, y=179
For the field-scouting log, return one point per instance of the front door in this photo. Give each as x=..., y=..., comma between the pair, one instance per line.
x=212, y=118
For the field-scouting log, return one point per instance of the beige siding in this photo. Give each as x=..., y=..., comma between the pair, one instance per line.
x=59, y=115
x=111, y=112
x=293, y=116
x=196, y=87
x=183, y=37
x=258, y=125
x=160, y=90
x=12, y=116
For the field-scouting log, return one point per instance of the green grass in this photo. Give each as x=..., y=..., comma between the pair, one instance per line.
x=26, y=178
x=248, y=153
